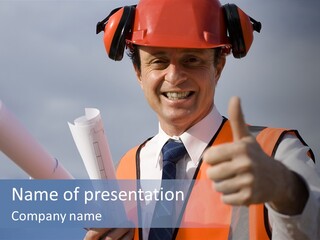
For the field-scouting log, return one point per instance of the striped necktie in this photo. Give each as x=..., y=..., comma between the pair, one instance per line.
x=164, y=211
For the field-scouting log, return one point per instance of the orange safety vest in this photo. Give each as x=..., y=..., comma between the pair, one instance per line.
x=207, y=216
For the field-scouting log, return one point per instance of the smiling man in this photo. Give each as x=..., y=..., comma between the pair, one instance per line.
x=179, y=84
x=264, y=180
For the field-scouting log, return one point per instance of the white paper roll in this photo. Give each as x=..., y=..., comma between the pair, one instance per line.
x=91, y=141
x=18, y=144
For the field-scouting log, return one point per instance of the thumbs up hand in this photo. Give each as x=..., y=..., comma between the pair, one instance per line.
x=238, y=124
x=240, y=170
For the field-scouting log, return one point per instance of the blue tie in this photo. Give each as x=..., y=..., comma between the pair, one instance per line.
x=164, y=212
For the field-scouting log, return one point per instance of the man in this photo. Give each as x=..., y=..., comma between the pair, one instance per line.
x=178, y=49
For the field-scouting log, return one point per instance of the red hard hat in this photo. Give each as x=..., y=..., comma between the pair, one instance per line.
x=179, y=23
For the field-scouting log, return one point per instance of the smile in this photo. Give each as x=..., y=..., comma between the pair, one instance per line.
x=177, y=95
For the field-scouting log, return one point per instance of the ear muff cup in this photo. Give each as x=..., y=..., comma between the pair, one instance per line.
x=240, y=30
x=122, y=31
x=234, y=30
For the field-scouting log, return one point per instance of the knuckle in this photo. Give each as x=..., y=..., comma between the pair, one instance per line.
x=222, y=187
x=241, y=148
x=245, y=145
x=246, y=196
x=246, y=165
x=249, y=180
x=217, y=186
x=211, y=173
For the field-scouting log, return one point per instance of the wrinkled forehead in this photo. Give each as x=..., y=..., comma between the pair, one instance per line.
x=175, y=51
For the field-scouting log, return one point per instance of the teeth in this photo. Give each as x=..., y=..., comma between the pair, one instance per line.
x=177, y=95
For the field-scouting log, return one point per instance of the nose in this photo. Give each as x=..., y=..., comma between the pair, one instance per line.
x=175, y=74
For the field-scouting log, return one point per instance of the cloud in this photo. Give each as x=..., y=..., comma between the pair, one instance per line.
x=53, y=65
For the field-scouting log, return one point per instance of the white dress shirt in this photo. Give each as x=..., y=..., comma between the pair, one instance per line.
x=195, y=140
x=290, y=152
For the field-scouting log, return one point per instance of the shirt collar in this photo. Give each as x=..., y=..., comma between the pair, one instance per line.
x=196, y=138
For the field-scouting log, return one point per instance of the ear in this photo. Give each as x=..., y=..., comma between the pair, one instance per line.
x=219, y=67
x=138, y=74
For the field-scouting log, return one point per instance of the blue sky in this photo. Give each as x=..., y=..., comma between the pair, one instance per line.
x=53, y=65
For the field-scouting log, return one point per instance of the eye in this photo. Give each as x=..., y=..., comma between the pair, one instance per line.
x=192, y=61
x=159, y=63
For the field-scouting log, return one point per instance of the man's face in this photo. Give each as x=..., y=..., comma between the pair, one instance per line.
x=179, y=84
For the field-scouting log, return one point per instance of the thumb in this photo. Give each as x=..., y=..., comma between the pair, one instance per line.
x=237, y=122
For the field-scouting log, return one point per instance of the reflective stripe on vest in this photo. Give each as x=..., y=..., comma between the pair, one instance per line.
x=209, y=217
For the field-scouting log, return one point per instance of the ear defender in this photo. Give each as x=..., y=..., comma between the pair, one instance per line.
x=117, y=27
x=240, y=29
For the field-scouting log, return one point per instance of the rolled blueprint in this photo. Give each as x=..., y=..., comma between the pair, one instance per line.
x=91, y=141
x=18, y=144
